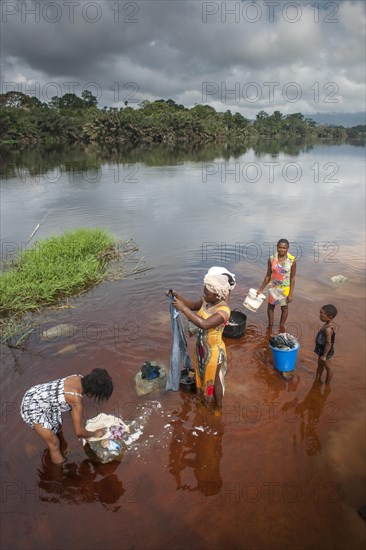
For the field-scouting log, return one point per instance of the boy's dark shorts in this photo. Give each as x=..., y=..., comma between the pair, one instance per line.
x=329, y=356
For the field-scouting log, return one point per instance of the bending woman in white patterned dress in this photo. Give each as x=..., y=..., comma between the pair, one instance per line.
x=43, y=404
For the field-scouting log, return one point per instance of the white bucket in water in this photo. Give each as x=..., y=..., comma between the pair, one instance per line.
x=252, y=301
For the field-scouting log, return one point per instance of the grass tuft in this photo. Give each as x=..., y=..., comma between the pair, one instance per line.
x=55, y=268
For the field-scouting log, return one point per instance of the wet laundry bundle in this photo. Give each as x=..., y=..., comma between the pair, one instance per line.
x=149, y=371
x=284, y=340
x=117, y=432
x=111, y=445
x=150, y=378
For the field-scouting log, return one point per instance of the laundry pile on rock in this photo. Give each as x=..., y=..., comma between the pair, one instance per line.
x=111, y=445
x=150, y=378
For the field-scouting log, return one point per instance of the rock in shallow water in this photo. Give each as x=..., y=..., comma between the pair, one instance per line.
x=58, y=331
x=339, y=279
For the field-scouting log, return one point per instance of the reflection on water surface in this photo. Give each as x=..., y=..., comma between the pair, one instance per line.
x=271, y=471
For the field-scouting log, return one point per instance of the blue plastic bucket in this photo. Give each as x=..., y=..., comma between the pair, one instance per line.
x=284, y=359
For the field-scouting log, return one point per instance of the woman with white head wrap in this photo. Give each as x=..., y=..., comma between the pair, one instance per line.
x=217, y=284
x=210, y=314
x=216, y=270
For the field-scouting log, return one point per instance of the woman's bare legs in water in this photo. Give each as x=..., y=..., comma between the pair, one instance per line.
x=284, y=315
x=218, y=389
x=52, y=441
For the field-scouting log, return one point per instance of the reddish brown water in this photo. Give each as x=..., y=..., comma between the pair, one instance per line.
x=270, y=473
x=284, y=465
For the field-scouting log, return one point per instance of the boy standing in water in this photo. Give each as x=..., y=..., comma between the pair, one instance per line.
x=324, y=342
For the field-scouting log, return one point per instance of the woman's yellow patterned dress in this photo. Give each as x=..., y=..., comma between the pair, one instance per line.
x=210, y=352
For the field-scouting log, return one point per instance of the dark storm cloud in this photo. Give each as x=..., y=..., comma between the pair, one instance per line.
x=172, y=48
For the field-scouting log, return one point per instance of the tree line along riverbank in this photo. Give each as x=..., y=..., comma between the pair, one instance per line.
x=69, y=119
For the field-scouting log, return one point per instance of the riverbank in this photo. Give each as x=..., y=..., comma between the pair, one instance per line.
x=49, y=272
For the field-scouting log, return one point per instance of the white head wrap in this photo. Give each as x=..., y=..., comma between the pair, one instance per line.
x=218, y=284
x=215, y=270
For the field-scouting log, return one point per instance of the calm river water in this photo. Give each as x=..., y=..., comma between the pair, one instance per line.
x=284, y=466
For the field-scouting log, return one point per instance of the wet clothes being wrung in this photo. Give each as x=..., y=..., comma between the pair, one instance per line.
x=179, y=350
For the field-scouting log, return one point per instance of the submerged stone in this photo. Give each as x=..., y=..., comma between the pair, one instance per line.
x=58, y=331
x=339, y=279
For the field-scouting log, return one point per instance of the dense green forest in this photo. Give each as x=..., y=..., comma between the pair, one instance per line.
x=68, y=119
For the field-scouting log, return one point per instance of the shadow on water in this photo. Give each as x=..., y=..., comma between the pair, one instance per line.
x=310, y=411
x=196, y=449
x=76, y=483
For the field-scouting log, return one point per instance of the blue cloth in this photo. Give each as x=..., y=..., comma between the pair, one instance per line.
x=179, y=350
x=149, y=371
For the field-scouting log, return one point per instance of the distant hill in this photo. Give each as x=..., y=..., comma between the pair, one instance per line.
x=339, y=119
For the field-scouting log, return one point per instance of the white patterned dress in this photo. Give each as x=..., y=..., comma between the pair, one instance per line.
x=44, y=403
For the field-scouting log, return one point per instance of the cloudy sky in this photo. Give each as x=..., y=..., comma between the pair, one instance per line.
x=245, y=56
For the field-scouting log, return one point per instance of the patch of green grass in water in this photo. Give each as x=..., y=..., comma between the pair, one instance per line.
x=55, y=268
